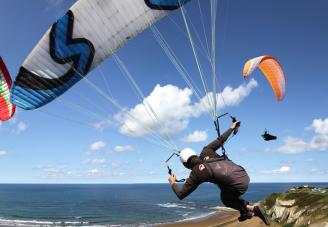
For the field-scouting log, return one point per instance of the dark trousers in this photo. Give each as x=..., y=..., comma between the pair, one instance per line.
x=232, y=199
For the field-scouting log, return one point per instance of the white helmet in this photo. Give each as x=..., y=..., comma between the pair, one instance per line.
x=185, y=154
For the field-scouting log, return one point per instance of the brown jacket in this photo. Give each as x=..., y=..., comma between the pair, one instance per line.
x=213, y=168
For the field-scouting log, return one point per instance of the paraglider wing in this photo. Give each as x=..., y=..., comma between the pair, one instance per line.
x=272, y=70
x=90, y=32
x=7, y=109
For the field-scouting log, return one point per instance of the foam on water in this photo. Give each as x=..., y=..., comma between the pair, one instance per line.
x=39, y=223
x=203, y=215
x=176, y=205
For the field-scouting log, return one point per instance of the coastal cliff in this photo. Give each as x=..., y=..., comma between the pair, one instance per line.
x=299, y=206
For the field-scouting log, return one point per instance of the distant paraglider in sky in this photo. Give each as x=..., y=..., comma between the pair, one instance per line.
x=274, y=73
x=272, y=70
x=267, y=136
x=7, y=110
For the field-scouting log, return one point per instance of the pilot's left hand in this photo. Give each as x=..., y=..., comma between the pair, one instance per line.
x=172, y=179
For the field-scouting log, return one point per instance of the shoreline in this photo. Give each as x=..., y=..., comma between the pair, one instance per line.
x=219, y=217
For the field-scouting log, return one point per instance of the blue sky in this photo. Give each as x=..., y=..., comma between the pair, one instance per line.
x=77, y=140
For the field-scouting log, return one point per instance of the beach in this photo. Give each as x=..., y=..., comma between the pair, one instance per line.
x=224, y=217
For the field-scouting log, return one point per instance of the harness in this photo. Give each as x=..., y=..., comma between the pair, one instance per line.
x=211, y=160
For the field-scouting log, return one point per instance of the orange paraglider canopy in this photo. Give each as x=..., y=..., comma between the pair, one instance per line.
x=272, y=70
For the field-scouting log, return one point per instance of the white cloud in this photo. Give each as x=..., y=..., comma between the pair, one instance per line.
x=21, y=127
x=97, y=146
x=196, y=136
x=3, y=153
x=228, y=97
x=174, y=108
x=64, y=172
x=319, y=126
x=95, y=161
x=86, y=173
x=314, y=170
x=53, y=171
x=102, y=125
x=171, y=105
x=15, y=126
x=92, y=172
x=281, y=170
x=117, y=165
x=318, y=142
x=284, y=169
x=124, y=148
x=293, y=145
x=318, y=171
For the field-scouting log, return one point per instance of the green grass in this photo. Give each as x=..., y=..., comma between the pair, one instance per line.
x=305, y=199
x=270, y=201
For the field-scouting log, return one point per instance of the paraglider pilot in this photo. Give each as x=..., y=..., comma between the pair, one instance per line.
x=230, y=178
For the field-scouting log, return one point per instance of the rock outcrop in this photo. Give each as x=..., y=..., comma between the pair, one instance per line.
x=300, y=206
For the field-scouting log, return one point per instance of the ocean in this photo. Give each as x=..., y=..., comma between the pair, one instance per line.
x=113, y=204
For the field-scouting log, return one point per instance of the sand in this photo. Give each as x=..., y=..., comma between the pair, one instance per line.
x=227, y=218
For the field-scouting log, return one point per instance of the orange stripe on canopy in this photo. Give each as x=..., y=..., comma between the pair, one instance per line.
x=272, y=70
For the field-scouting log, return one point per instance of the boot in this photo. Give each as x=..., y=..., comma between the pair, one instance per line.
x=260, y=212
